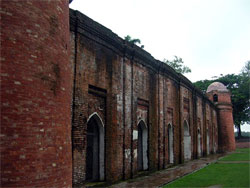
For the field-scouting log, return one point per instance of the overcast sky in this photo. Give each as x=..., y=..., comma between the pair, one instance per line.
x=211, y=36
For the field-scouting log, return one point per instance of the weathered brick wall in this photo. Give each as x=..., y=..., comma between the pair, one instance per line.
x=54, y=83
x=129, y=86
x=207, y=129
x=141, y=105
x=200, y=122
x=185, y=115
x=226, y=130
x=224, y=121
x=172, y=115
x=36, y=81
x=127, y=119
x=168, y=105
x=223, y=97
x=215, y=132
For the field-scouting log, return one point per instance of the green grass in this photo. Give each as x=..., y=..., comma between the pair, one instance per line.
x=225, y=175
x=243, y=150
x=244, y=155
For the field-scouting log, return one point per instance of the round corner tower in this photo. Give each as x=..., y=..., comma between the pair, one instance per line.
x=221, y=97
x=35, y=94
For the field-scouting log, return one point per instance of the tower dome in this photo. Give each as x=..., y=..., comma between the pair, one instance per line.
x=216, y=86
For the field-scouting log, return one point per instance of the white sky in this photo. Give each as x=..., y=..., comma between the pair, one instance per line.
x=211, y=36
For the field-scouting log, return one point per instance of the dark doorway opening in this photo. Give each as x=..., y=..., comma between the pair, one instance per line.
x=170, y=144
x=92, y=159
x=95, y=149
x=142, y=148
x=215, y=98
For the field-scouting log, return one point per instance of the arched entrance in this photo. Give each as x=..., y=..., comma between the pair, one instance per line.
x=170, y=144
x=208, y=143
x=187, y=142
x=215, y=98
x=142, y=148
x=95, y=149
x=214, y=140
x=199, y=143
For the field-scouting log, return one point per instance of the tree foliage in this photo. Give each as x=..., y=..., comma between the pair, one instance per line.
x=133, y=41
x=239, y=88
x=177, y=65
x=203, y=84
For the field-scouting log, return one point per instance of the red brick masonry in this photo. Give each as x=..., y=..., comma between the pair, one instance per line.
x=55, y=79
x=36, y=85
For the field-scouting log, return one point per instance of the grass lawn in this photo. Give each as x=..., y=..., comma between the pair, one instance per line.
x=243, y=150
x=244, y=155
x=225, y=175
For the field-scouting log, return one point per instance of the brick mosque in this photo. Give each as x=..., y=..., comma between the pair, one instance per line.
x=80, y=104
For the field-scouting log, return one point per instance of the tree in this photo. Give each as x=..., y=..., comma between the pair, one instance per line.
x=241, y=99
x=133, y=41
x=203, y=84
x=238, y=85
x=177, y=65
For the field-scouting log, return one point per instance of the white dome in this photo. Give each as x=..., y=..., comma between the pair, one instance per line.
x=216, y=86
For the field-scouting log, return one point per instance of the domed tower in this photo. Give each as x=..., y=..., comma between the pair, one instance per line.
x=221, y=97
x=36, y=85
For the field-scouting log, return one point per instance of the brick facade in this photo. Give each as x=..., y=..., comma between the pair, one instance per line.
x=58, y=82
x=135, y=87
x=36, y=84
x=222, y=99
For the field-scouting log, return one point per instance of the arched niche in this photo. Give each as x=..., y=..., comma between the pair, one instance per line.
x=187, y=142
x=208, y=141
x=214, y=138
x=95, y=149
x=170, y=144
x=215, y=98
x=142, y=147
x=199, y=142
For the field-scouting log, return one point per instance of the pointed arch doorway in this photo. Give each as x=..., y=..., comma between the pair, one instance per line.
x=208, y=149
x=95, y=149
x=187, y=142
x=142, y=148
x=170, y=144
x=199, y=143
